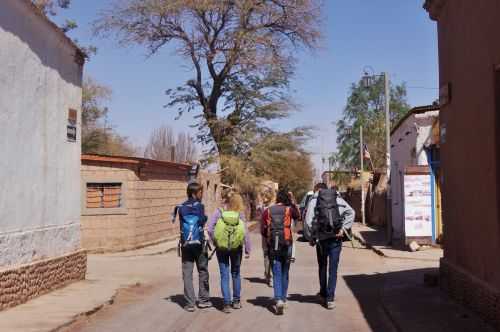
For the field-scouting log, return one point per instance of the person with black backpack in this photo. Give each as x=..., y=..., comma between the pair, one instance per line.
x=193, y=247
x=277, y=229
x=328, y=217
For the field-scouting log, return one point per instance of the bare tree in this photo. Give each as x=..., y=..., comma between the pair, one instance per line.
x=242, y=54
x=163, y=145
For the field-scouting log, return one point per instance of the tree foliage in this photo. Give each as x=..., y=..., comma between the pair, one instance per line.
x=241, y=53
x=365, y=107
x=165, y=145
x=98, y=136
x=277, y=157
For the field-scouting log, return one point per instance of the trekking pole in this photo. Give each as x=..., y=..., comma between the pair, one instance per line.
x=349, y=237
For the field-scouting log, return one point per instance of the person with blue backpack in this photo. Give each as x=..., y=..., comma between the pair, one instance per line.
x=193, y=247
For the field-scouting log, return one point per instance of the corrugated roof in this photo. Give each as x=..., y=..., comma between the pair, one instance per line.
x=56, y=29
x=415, y=110
x=133, y=161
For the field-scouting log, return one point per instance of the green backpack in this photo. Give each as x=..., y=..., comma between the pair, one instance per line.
x=229, y=231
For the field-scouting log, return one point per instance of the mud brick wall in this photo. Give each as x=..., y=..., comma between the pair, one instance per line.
x=150, y=191
x=21, y=284
x=149, y=195
x=471, y=292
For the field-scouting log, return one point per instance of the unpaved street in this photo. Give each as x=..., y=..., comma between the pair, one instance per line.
x=158, y=307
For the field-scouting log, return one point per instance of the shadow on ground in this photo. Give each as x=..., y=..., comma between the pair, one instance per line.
x=411, y=306
x=264, y=302
x=255, y=280
x=179, y=299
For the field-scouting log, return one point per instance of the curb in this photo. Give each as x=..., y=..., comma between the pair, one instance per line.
x=360, y=239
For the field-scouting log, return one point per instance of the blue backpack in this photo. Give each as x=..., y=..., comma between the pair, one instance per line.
x=191, y=230
x=190, y=224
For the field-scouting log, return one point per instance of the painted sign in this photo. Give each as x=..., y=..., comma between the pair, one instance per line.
x=418, y=205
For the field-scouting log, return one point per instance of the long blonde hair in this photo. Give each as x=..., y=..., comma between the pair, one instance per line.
x=234, y=202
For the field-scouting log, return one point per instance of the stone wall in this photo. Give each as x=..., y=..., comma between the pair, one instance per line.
x=21, y=284
x=149, y=192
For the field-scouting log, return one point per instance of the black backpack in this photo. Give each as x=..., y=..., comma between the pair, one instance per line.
x=328, y=221
x=280, y=232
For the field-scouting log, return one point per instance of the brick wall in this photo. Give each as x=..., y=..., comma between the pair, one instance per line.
x=149, y=194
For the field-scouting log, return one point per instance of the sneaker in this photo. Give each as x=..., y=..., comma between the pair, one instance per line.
x=280, y=306
x=190, y=308
x=226, y=309
x=205, y=305
x=330, y=305
x=236, y=305
x=285, y=304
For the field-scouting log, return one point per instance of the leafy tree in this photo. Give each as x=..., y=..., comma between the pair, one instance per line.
x=98, y=137
x=164, y=145
x=241, y=52
x=277, y=157
x=365, y=107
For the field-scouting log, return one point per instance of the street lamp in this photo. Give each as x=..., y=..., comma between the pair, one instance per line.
x=367, y=81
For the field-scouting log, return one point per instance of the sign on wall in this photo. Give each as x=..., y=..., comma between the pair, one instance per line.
x=418, y=205
x=71, y=127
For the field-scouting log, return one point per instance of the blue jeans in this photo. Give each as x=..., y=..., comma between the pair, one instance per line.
x=281, y=268
x=230, y=261
x=328, y=253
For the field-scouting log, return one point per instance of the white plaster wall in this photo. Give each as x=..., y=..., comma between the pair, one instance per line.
x=407, y=149
x=39, y=168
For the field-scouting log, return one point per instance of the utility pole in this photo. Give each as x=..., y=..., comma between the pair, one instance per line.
x=362, y=156
x=388, y=155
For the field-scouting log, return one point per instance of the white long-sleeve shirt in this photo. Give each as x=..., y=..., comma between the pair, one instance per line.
x=345, y=210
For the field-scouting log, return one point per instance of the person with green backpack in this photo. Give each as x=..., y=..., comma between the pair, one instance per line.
x=228, y=231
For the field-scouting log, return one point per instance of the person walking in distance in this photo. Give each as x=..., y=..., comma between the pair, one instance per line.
x=193, y=247
x=328, y=217
x=277, y=229
x=228, y=231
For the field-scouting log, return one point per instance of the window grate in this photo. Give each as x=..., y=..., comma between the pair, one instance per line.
x=104, y=195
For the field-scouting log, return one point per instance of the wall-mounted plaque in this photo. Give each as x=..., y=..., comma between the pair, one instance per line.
x=71, y=127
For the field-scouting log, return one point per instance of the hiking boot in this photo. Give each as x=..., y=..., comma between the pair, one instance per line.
x=280, y=306
x=236, y=305
x=226, y=309
x=205, y=305
x=330, y=305
x=190, y=308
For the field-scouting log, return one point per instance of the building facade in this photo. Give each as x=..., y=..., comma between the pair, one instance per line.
x=469, y=69
x=128, y=202
x=40, y=105
x=415, y=181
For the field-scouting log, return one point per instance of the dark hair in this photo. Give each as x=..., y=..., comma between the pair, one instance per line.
x=193, y=188
x=320, y=186
x=283, y=197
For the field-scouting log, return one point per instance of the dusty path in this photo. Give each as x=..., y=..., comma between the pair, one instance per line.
x=157, y=307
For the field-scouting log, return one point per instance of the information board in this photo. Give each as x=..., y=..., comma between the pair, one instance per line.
x=418, y=205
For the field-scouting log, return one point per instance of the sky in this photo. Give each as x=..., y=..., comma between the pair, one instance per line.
x=395, y=36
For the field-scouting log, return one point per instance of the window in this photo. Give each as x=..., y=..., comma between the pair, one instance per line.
x=104, y=195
